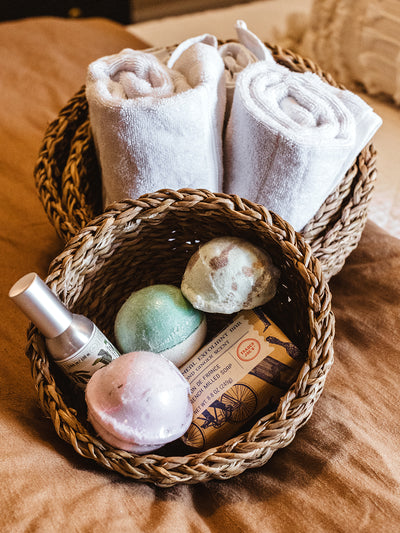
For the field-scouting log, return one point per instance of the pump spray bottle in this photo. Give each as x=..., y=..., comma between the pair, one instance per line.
x=75, y=343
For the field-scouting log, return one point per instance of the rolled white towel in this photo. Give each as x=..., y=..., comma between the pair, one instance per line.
x=156, y=126
x=291, y=138
x=238, y=55
x=252, y=42
x=205, y=38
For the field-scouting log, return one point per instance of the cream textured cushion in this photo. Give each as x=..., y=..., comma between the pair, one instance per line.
x=358, y=41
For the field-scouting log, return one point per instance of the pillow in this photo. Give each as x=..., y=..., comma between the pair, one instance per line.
x=358, y=42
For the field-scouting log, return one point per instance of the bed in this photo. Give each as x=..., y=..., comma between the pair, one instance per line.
x=342, y=471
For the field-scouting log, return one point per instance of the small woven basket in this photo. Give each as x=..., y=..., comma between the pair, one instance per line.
x=150, y=240
x=68, y=180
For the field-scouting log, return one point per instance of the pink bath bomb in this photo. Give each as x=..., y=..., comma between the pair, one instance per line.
x=139, y=402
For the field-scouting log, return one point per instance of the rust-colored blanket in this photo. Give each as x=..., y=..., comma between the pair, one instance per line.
x=342, y=471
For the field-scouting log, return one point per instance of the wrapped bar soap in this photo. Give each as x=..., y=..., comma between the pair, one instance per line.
x=247, y=367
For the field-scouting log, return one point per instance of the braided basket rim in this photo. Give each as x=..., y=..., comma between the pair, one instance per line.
x=275, y=430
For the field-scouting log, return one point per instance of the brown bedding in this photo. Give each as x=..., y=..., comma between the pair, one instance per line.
x=342, y=471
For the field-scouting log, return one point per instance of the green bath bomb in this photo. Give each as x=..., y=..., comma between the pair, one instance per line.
x=159, y=319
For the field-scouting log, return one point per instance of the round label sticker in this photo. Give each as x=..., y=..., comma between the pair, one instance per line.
x=248, y=349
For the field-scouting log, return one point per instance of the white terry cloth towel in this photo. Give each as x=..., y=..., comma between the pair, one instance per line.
x=238, y=55
x=157, y=127
x=205, y=38
x=291, y=138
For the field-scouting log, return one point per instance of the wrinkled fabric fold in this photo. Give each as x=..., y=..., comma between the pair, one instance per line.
x=157, y=126
x=291, y=138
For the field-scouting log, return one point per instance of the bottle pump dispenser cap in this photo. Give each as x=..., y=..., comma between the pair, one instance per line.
x=41, y=305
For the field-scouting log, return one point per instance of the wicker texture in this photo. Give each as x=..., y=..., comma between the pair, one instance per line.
x=68, y=180
x=149, y=240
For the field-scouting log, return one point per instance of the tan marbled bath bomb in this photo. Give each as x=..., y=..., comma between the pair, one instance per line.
x=228, y=274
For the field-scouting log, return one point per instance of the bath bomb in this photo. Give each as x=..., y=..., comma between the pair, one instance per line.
x=159, y=319
x=228, y=274
x=139, y=403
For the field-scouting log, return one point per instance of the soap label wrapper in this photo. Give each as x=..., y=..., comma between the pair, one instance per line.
x=245, y=368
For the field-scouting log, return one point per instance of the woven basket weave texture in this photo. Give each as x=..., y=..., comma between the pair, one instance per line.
x=68, y=180
x=140, y=242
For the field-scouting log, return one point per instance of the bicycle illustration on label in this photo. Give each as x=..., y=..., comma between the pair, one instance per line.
x=262, y=387
x=238, y=404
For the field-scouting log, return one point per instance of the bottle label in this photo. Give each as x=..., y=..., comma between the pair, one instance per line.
x=98, y=352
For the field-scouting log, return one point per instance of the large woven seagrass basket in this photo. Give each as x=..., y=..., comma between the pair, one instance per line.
x=68, y=179
x=141, y=242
